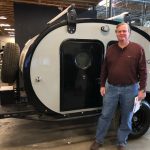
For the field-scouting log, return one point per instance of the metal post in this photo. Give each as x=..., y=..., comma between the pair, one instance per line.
x=110, y=8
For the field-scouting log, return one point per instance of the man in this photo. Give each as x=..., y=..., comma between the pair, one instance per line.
x=123, y=77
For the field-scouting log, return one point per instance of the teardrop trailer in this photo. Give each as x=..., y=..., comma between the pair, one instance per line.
x=60, y=69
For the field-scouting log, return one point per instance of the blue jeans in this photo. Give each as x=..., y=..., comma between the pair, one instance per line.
x=125, y=97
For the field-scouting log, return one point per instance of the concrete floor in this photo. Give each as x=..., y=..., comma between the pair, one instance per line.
x=21, y=134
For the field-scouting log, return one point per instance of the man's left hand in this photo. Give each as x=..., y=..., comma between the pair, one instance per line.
x=141, y=95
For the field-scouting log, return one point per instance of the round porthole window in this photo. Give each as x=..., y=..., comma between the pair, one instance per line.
x=83, y=60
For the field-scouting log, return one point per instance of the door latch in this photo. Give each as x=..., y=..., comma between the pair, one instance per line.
x=71, y=20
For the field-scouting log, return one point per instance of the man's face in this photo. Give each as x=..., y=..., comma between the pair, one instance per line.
x=123, y=33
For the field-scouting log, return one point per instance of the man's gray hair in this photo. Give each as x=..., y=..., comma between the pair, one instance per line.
x=123, y=23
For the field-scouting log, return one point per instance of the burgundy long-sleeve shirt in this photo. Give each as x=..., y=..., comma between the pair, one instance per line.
x=124, y=66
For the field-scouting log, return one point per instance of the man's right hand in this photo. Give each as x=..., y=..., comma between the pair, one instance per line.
x=102, y=91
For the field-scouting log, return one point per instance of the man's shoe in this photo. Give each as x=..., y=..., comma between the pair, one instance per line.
x=120, y=147
x=95, y=146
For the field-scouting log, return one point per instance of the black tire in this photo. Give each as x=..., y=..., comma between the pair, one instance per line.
x=10, y=63
x=140, y=121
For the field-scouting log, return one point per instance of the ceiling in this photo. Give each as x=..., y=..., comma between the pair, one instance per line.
x=139, y=9
x=6, y=7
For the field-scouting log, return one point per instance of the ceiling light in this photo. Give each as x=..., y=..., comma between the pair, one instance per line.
x=103, y=3
x=3, y=17
x=9, y=29
x=12, y=35
x=4, y=25
x=11, y=32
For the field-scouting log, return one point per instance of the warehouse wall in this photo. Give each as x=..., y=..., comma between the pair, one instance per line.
x=30, y=20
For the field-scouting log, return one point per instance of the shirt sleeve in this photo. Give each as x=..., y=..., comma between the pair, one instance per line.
x=104, y=72
x=142, y=70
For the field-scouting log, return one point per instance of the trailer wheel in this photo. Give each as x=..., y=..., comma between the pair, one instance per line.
x=140, y=121
x=10, y=63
